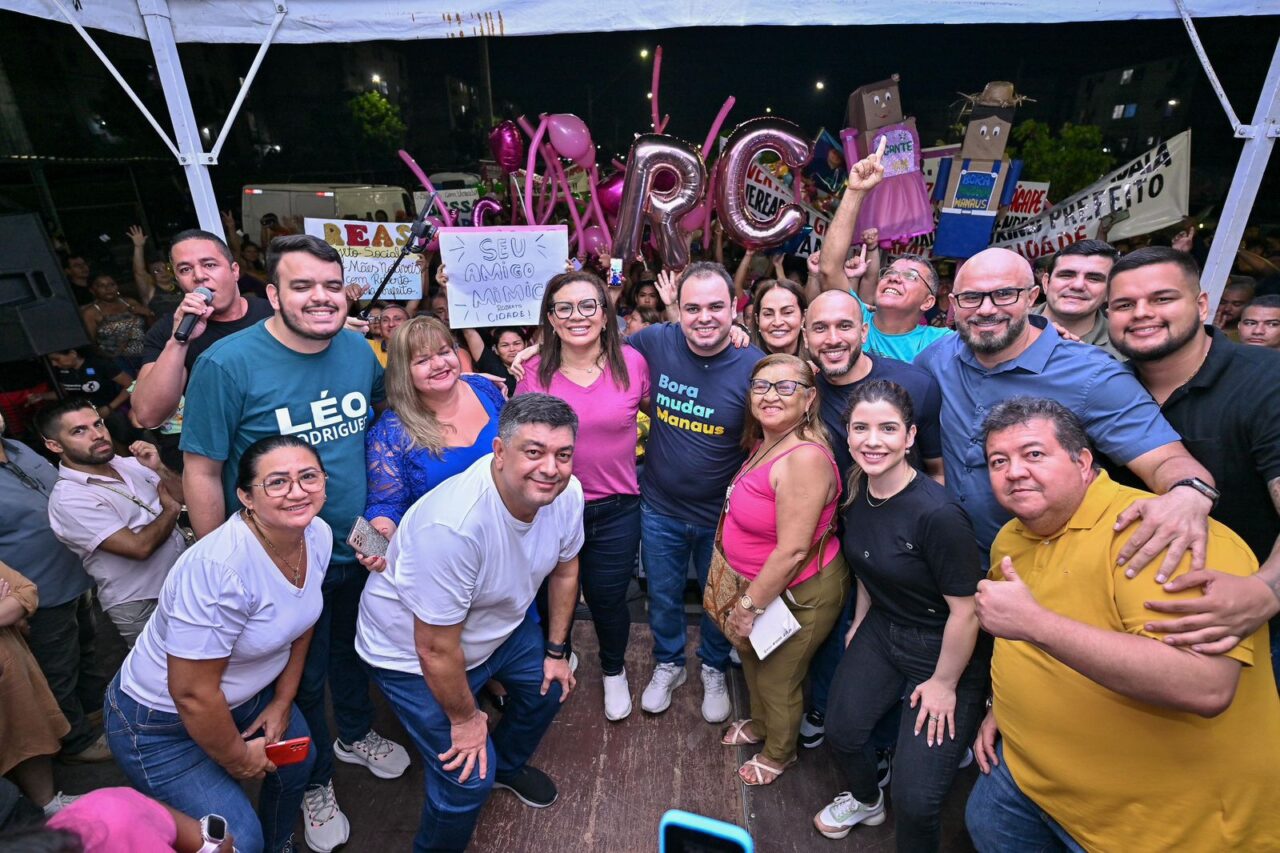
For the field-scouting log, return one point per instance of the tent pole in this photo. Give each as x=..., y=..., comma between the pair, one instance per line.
x=211, y=158
x=155, y=15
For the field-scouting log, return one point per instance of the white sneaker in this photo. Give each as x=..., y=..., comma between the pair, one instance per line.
x=59, y=802
x=385, y=759
x=666, y=678
x=716, y=706
x=617, y=697
x=325, y=826
x=966, y=759
x=844, y=813
x=573, y=662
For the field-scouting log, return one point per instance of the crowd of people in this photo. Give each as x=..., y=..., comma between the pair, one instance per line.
x=1038, y=533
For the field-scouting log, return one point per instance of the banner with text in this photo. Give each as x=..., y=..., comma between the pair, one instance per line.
x=497, y=273
x=459, y=202
x=766, y=194
x=1144, y=195
x=368, y=251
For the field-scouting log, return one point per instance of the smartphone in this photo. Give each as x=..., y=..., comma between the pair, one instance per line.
x=365, y=539
x=686, y=832
x=287, y=752
x=615, y=272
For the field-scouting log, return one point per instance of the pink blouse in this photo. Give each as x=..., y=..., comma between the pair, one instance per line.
x=751, y=524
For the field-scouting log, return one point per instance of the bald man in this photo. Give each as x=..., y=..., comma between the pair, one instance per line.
x=1003, y=351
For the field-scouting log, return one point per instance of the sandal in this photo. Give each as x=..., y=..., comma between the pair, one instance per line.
x=735, y=735
x=754, y=764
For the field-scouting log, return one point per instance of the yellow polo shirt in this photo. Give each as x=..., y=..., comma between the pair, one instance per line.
x=379, y=353
x=1116, y=773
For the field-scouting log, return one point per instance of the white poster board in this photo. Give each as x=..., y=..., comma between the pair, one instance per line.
x=497, y=273
x=368, y=250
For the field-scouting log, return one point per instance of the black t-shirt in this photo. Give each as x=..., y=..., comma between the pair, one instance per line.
x=159, y=334
x=94, y=379
x=491, y=364
x=912, y=550
x=926, y=399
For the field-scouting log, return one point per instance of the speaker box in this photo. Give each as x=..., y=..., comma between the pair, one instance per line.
x=38, y=311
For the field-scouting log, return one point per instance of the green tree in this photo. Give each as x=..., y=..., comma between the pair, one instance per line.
x=378, y=121
x=1069, y=161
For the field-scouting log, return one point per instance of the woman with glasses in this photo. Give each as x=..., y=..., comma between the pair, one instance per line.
x=213, y=676
x=779, y=306
x=584, y=363
x=777, y=533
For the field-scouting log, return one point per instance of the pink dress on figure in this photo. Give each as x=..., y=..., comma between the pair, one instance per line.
x=899, y=206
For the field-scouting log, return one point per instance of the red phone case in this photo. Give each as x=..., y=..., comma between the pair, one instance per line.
x=289, y=751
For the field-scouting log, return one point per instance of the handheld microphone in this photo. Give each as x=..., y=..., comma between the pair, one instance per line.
x=189, y=321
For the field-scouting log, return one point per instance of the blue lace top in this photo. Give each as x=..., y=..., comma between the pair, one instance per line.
x=400, y=473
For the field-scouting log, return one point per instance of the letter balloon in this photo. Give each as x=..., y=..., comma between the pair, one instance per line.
x=654, y=155
x=747, y=142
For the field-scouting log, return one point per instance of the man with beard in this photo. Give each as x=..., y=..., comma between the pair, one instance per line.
x=1002, y=352
x=1223, y=399
x=1075, y=288
x=300, y=373
x=119, y=514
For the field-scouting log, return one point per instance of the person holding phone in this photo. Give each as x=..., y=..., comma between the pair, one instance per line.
x=212, y=679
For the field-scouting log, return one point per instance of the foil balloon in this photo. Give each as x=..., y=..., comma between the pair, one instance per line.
x=483, y=209
x=609, y=193
x=507, y=146
x=594, y=241
x=571, y=139
x=747, y=142
x=653, y=155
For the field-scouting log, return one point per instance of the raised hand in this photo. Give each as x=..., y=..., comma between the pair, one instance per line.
x=137, y=236
x=868, y=172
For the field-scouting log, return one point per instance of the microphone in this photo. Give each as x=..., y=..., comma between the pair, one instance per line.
x=189, y=320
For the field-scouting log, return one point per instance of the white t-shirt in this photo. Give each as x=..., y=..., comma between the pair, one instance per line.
x=460, y=556
x=85, y=510
x=226, y=599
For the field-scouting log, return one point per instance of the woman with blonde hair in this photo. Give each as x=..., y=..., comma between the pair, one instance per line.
x=777, y=533
x=437, y=422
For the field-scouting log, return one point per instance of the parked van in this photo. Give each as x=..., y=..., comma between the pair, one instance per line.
x=365, y=202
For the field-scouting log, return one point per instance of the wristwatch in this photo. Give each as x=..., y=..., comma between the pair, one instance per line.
x=213, y=829
x=747, y=604
x=556, y=651
x=1200, y=486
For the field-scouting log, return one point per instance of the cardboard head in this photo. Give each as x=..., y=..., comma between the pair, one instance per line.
x=985, y=138
x=875, y=105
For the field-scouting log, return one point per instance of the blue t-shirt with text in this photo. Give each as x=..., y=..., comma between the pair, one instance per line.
x=694, y=445
x=249, y=386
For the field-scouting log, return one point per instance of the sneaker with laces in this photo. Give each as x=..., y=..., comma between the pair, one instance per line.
x=716, y=706
x=617, y=697
x=666, y=678
x=844, y=813
x=385, y=759
x=531, y=786
x=813, y=729
x=59, y=802
x=324, y=826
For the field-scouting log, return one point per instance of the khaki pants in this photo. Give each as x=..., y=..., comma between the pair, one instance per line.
x=776, y=683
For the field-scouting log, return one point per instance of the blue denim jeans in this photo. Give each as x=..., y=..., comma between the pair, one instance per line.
x=1000, y=817
x=606, y=564
x=162, y=761
x=332, y=657
x=450, y=809
x=666, y=546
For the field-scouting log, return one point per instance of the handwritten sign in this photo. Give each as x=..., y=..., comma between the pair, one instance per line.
x=497, y=274
x=369, y=249
x=459, y=202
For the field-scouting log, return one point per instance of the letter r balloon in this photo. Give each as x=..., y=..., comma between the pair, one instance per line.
x=651, y=155
x=747, y=142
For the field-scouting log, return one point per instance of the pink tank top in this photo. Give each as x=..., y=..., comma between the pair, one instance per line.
x=751, y=524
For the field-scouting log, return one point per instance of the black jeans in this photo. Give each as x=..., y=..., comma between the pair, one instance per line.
x=64, y=642
x=882, y=667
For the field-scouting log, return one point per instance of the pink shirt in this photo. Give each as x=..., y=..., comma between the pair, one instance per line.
x=109, y=820
x=751, y=525
x=604, y=459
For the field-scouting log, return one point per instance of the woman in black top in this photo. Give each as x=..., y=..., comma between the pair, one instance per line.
x=914, y=630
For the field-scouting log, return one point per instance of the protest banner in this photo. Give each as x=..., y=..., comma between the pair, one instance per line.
x=460, y=202
x=497, y=273
x=1030, y=199
x=1144, y=195
x=368, y=250
x=765, y=194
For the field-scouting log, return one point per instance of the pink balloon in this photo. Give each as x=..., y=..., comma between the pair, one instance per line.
x=483, y=209
x=609, y=191
x=747, y=142
x=652, y=155
x=507, y=146
x=571, y=139
x=593, y=241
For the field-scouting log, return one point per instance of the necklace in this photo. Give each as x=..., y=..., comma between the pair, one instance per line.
x=295, y=567
x=890, y=497
x=751, y=463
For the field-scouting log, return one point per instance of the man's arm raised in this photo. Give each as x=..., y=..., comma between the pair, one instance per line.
x=863, y=177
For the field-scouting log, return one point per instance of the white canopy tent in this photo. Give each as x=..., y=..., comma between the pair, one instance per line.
x=265, y=22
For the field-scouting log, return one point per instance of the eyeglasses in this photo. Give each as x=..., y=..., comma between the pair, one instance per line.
x=278, y=486
x=564, y=310
x=784, y=387
x=906, y=275
x=1003, y=296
